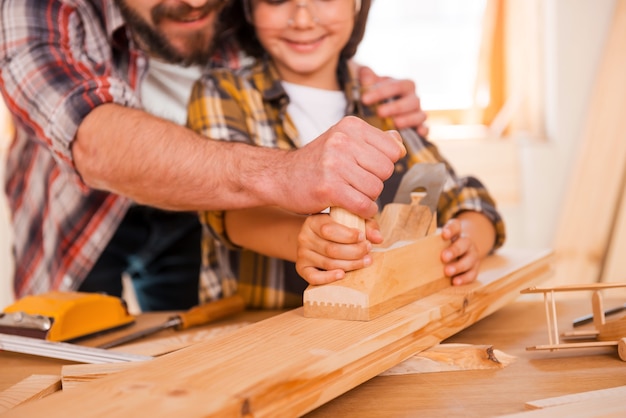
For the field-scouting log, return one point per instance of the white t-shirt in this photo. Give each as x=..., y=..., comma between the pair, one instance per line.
x=314, y=110
x=166, y=88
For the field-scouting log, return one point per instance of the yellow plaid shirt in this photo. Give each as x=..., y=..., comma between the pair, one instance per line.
x=249, y=105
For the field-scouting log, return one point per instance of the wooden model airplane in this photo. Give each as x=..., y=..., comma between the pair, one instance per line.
x=604, y=333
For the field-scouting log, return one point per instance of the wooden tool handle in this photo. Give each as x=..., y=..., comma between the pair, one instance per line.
x=211, y=311
x=346, y=218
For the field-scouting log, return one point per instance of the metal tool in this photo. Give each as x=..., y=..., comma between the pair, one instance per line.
x=199, y=315
x=587, y=319
x=428, y=176
x=65, y=351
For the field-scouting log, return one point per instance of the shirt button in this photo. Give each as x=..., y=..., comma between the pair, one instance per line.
x=66, y=283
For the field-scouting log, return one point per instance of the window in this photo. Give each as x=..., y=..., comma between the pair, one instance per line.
x=434, y=43
x=476, y=63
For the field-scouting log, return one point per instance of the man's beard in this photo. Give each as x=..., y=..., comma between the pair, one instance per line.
x=158, y=44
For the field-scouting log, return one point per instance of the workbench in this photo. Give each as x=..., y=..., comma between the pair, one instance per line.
x=533, y=375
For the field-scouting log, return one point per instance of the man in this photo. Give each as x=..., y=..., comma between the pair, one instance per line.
x=98, y=91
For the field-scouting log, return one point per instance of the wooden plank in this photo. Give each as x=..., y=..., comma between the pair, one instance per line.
x=591, y=204
x=74, y=375
x=619, y=391
x=159, y=346
x=33, y=387
x=288, y=365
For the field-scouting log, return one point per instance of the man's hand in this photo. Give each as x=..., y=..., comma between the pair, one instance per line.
x=396, y=98
x=344, y=167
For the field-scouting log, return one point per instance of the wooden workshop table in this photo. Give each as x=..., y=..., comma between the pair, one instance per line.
x=534, y=375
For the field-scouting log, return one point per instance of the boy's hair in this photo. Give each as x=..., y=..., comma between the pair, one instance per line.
x=233, y=23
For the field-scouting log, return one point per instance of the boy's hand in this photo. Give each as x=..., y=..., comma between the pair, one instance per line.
x=327, y=249
x=461, y=259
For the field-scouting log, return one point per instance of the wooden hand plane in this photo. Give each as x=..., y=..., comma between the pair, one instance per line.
x=405, y=268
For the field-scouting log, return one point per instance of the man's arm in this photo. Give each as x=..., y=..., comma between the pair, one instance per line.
x=155, y=162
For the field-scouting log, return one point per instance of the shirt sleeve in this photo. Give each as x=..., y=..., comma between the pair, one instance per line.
x=459, y=193
x=57, y=66
x=218, y=111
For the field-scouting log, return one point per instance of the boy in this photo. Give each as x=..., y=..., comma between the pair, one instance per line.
x=300, y=84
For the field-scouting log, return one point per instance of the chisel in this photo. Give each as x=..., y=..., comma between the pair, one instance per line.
x=198, y=315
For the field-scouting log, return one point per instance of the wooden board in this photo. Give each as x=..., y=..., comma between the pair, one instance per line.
x=287, y=365
x=33, y=387
x=591, y=205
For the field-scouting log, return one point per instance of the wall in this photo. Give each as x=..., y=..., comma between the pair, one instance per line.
x=528, y=175
x=576, y=30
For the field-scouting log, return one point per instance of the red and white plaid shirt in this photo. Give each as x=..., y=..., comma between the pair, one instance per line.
x=59, y=60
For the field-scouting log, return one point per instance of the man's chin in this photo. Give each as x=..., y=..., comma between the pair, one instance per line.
x=192, y=51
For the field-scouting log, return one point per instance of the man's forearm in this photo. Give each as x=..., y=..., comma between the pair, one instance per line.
x=158, y=163
x=155, y=162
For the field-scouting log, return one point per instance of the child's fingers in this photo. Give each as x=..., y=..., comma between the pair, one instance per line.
x=465, y=278
x=315, y=276
x=463, y=269
x=451, y=229
x=331, y=231
x=324, y=262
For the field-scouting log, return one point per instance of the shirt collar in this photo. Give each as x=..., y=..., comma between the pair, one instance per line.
x=114, y=23
x=267, y=80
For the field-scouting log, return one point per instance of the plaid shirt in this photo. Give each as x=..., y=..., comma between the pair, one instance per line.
x=59, y=60
x=250, y=106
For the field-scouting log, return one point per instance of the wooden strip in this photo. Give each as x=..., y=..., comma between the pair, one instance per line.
x=591, y=204
x=619, y=391
x=288, y=365
x=588, y=344
x=33, y=387
x=574, y=287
